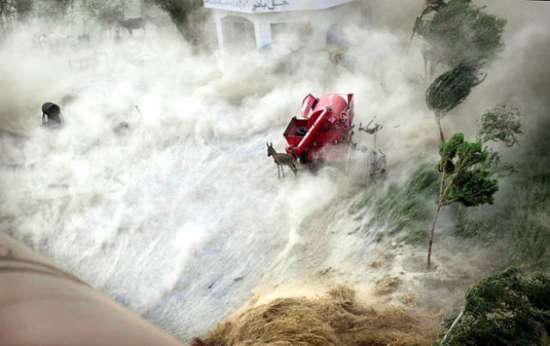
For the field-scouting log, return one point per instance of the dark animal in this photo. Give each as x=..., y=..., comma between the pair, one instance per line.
x=51, y=114
x=281, y=160
x=132, y=24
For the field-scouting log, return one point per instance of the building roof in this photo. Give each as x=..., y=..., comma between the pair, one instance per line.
x=268, y=6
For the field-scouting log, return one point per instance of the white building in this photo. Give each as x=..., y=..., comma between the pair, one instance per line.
x=256, y=22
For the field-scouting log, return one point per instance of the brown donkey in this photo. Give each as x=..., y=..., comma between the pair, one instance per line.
x=281, y=160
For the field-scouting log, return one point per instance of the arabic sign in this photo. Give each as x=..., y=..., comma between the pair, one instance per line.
x=262, y=6
x=269, y=5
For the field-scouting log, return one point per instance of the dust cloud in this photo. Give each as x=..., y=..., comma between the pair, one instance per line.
x=158, y=190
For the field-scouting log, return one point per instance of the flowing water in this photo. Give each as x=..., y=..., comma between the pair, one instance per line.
x=158, y=190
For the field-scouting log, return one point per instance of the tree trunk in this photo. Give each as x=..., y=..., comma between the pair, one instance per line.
x=438, y=121
x=432, y=234
x=452, y=326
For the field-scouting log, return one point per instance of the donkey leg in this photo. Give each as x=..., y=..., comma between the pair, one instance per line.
x=294, y=169
x=283, y=170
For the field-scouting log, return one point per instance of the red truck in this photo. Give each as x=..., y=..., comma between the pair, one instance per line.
x=324, y=131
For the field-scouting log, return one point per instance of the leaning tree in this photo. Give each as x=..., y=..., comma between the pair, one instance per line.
x=465, y=178
x=451, y=89
x=501, y=124
x=459, y=31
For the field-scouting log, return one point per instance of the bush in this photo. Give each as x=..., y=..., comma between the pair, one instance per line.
x=508, y=309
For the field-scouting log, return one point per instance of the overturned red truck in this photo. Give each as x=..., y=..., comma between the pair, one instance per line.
x=325, y=130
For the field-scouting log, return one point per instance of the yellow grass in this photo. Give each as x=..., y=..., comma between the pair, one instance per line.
x=337, y=319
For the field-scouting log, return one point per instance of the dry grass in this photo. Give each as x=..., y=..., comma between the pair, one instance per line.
x=387, y=285
x=337, y=319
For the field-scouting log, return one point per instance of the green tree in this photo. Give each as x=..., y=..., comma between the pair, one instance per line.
x=502, y=124
x=509, y=308
x=451, y=89
x=464, y=178
x=460, y=31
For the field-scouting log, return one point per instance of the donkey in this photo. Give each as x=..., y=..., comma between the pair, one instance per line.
x=281, y=160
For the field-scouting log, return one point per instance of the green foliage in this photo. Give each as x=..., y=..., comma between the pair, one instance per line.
x=480, y=226
x=473, y=188
x=506, y=309
x=519, y=221
x=448, y=151
x=403, y=208
x=520, y=218
x=452, y=87
x=501, y=124
x=461, y=31
x=465, y=177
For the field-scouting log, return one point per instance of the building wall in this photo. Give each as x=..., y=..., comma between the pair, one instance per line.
x=263, y=22
x=269, y=6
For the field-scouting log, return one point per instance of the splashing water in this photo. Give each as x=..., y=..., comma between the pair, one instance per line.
x=158, y=190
